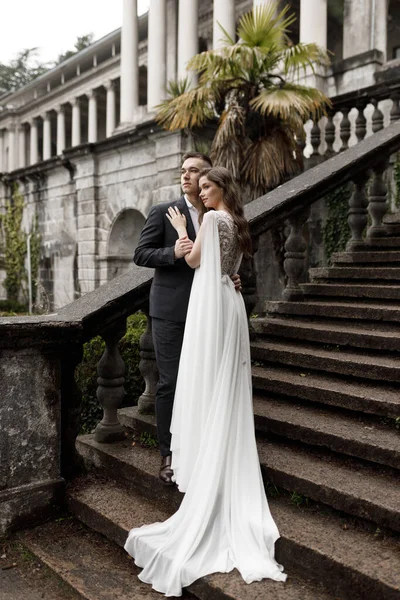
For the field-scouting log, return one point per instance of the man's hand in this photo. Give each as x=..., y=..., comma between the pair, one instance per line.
x=237, y=282
x=182, y=247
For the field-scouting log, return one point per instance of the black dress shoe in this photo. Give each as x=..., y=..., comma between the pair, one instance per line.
x=166, y=473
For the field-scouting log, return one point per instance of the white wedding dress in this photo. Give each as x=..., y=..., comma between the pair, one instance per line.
x=224, y=520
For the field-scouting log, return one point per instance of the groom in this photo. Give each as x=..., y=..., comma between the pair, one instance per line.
x=160, y=249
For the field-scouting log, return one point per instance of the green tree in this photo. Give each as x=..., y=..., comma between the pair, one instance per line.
x=82, y=42
x=21, y=70
x=250, y=88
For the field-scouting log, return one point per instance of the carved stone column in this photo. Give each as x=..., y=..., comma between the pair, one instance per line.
x=110, y=117
x=148, y=369
x=34, y=147
x=157, y=44
x=187, y=37
x=378, y=206
x=248, y=276
x=46, y=136
x=314, y=22
x=21, y=146
x=395, y=110
x=92, y=124
x=1, y=151
x=295, y=255
x=224, y=15
x=129, y=62
x=358, y=212
x=110, y=391
x=60, y=130
x=11, y=148
x=76, y=122
x=377, y=117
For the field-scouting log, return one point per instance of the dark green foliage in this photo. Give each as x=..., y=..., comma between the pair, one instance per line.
x=21, y=70
x=336, y=230
x=12, y=308
x=86, y=374
x=396, y=175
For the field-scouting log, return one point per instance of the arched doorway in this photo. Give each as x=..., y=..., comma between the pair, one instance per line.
x=123, y=240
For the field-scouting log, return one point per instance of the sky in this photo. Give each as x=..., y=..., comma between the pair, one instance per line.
x=54, y=25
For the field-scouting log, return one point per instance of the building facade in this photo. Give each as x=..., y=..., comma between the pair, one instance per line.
x=80, y=140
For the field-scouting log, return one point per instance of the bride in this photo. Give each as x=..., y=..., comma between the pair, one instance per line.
x=224, y=521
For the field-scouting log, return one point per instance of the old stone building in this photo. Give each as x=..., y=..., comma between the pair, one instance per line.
x=82, y=145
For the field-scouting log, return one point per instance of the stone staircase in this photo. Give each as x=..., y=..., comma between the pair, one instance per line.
x=326, y=380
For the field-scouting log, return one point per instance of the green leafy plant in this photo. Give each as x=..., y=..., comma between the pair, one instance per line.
x=336, y=231
x=13, y=245
x=298, y=499
x=86, y=372
x=148, y=440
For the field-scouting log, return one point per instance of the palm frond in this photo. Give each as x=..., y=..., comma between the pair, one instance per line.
x=265, y=27
x=191, y=109
x=282, y=102
x=301, y=56
x=178, y=87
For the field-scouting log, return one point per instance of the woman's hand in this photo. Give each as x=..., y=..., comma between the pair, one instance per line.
x=177, y=220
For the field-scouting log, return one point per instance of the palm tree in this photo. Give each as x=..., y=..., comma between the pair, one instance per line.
x=250, y=88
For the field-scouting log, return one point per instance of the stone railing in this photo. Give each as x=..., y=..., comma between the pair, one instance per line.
x=39, y=401
x=353, y=117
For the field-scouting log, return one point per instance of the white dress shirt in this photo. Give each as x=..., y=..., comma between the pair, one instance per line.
x=194, y=214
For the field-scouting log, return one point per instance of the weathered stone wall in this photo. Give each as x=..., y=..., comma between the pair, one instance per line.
x=30, y=434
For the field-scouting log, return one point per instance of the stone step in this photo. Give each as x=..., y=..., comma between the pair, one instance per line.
x=367, y=335
x=345, y=433
x=307, y=356
x=349, y=290
x=364, y=273
x=378, y=244
x=358, y=311
x=112, y=510
x=342, y=432
x=357, y=490
x=390, y=256
x=344, y=484
x=91, y=567
x=391, y=218
x=353, y=562
x=379, y=399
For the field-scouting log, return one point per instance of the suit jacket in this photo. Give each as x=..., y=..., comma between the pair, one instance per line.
x=170, y=289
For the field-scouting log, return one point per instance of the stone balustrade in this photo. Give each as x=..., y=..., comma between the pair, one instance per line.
x=352, y=117
x=39, y=402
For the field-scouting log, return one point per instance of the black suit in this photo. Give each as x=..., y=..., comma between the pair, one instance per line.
x=169, y=298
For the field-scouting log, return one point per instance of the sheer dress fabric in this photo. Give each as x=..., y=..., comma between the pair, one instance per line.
x=224, y=521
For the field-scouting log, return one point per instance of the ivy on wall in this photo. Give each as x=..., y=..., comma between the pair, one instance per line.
x=336, y=231
x=396, y=177
x=13, y=245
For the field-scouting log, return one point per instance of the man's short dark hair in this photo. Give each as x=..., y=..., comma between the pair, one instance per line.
x=199, y=155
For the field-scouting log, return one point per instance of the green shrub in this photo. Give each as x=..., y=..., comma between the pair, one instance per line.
x=336, y=231
x=11, y=307
x=86, y=374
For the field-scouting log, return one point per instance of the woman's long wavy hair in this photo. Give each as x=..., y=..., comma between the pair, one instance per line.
x=232, y=199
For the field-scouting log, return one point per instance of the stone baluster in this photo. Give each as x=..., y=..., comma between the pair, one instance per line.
x=395, y=110
x=110, y=391
x=330, y=135
x=361, y=122
x=345, y=129
x=248, y=276
x=378, y=205
x=358, y=212
x=377, y=117
x=315, y=135
x=295, y=255
x=148, y=369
